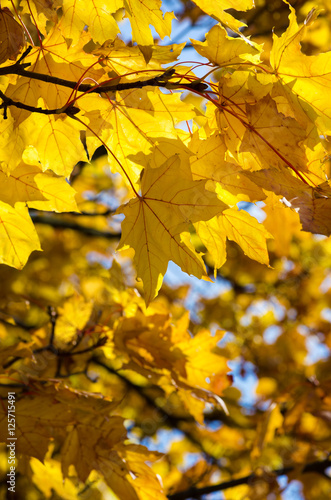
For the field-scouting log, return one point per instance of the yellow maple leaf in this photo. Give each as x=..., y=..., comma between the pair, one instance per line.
x=306, y=79
x=136, y=122
x=149, y=342
x=18, y=236
x=125, y=59
x=48, y=478
x=142, y=14
x=265, y=137
x=238, y=226
x=213, y=237
x=248, y=233
x=312, y=203
x=56, y=143
x=130, y=126
x=127, y=474
x=155, y=220
x=222, y=50
x=35, y=417
x=98, y=444
x=282, y=223
x=202, y=368
x=73, y=317
x=55, y=408
x=97, y=15
x=13, y=141
x=202, y=364
x=209, y=163
x=216, y=10
x=81, y=443
x=41, y=190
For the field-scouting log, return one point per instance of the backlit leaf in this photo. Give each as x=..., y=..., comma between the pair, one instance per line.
x=306, y=79
x=222, y=50
x=57, y=144
x=97, y=16
x=155, y=220
x=217, y=10
x=245, y=230
x=311, y=203
x=46, y=191
x=17, y=235
x=142, y=14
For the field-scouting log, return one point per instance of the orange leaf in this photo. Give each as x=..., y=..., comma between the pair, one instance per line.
x=11, y=36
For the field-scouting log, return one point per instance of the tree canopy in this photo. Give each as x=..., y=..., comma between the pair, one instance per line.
x=130, y=139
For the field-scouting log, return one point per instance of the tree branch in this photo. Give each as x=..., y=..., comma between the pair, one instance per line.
x=168, y=419
x=318, y=467
x=63, y=224
x=69, y=110
x=20, y=69
x=156, y=81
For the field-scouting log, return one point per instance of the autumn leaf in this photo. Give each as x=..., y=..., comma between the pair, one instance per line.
x=261, y=139
x=97, y=16
x=223, y=51
x=201, y=359
x=141, y=16
x=135, y=122
x=52, y=479
x=282, y=223
x=126, y=472
x=305, y=79
x=213, y=237
x=311, y=203
x=18, y=235
x=11, y=36
x=56, y=146
x=217, y=11
x=72, y=319
x=57, y=407
x=42, y=190
x=209, y=163
x=150, y=343
x=241, y=227
x=155, y=220
x=238, y=226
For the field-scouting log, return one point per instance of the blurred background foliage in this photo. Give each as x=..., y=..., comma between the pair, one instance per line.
x=276, y=341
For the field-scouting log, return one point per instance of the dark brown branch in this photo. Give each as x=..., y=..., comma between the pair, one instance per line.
x=53, y=315
x=12, y=385
x=106, y=213
x=318, y=467
x=59, y=353
x=69, y=110
x=19, y=69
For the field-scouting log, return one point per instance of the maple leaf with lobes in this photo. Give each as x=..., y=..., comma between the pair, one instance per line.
x=157, y=222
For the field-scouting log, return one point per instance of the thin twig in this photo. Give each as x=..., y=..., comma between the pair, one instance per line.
x=318, y=467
